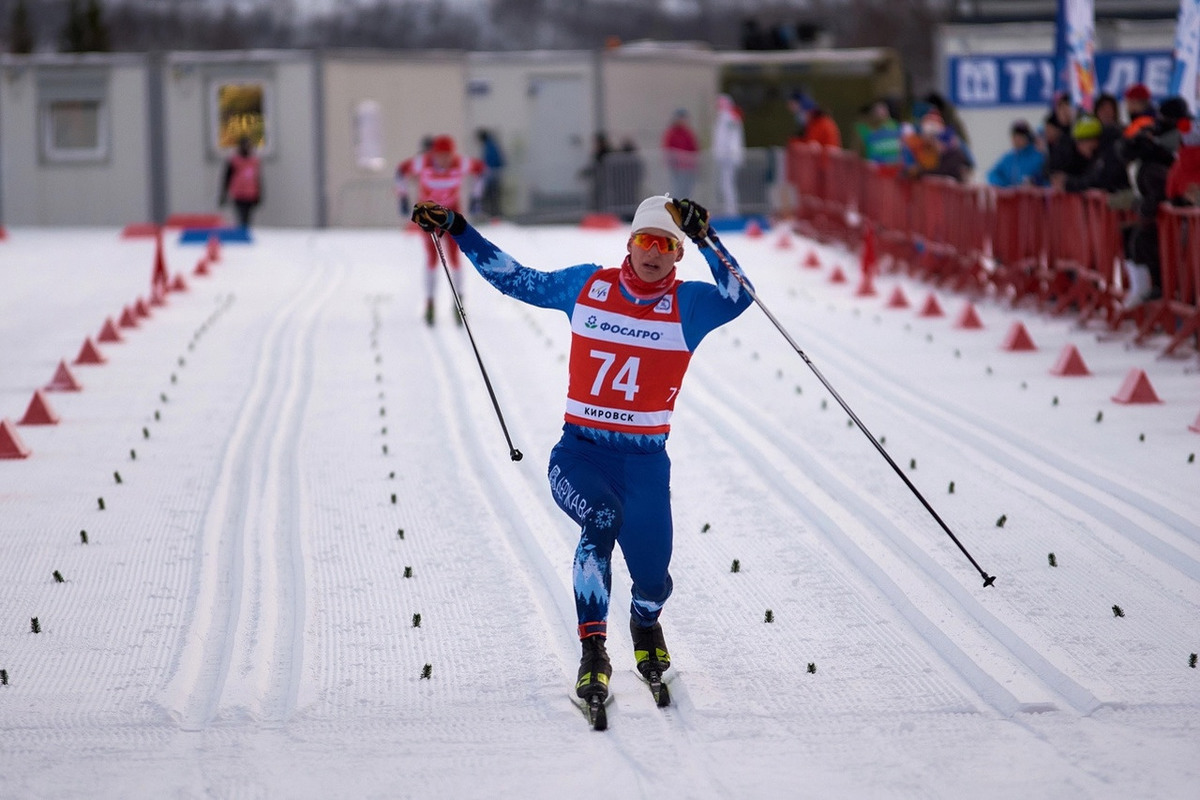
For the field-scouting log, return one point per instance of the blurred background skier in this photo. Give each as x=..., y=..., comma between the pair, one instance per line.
x=439, y=175
x=633, y=331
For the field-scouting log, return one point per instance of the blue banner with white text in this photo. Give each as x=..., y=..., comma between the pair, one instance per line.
x=983, y=81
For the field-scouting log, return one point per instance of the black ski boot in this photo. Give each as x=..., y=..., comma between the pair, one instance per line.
x=594, y=669
x=649, y=648
x=650, y=651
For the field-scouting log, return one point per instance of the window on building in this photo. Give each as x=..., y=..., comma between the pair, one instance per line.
x=74, y=124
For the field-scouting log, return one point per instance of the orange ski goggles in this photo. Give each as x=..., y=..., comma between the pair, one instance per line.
x=666, y=244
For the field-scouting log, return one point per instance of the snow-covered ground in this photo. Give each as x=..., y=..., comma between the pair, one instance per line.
x=290, y=438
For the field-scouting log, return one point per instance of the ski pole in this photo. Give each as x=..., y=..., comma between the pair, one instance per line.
x=988, y=580
x=513, y=452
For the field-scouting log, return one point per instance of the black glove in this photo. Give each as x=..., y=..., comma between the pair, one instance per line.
x=431, y=217
x=691, y=217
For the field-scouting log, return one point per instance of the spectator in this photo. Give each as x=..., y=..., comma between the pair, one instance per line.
x=1089, y=166
x=595, y=171
x=1022, y=165
x=493, y=163
x=1139, y=108
x=1060, y=148
x=243, y=181
x=819, y=127
x=1183, y=179
x=729, y=150
x=950, y=118
x=931, y=149
x=1151, y=148
x=879, y=136
x=1108, y=110
x=682, y=153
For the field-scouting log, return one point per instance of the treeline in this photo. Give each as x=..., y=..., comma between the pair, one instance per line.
x=140, y=25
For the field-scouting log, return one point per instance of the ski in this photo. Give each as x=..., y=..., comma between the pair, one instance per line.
x=659, y=690
x=596, y=713
x=593, y=708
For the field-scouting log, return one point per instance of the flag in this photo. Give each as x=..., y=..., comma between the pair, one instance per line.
x=1185, y=77
x=1075, y=50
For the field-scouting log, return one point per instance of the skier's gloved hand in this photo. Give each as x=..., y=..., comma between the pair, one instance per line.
x=431, y=217
x=691, y=217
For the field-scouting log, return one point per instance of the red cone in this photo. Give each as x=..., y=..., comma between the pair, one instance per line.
x=931, y=308
x=158, y=296
x=109, y=332
x=213, y=251
x=1018, y=339
x=867, y=263
x=201, y=267
x=63, y=380
x=1136, y=389
x=1195, y=426
x=837, y=276
x=811, y=261
x=1070, y=363
x=753, y=229
x=897, y=299
x=11, y=445
x=785, y=242
x=128, y=318
x=178, y=284
x=39, y=411
x=89, y=353
x=141, y=309
x=968, y=318
x=159, y=278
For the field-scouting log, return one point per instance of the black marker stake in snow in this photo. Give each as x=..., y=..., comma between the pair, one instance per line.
x=988, y=580
x=513, y=452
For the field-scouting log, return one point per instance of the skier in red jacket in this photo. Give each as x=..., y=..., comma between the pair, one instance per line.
x=439, y=174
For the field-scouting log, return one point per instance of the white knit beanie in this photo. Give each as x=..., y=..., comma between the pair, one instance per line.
x=652, y=213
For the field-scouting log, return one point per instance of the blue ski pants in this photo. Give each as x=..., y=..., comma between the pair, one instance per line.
x=616, y=498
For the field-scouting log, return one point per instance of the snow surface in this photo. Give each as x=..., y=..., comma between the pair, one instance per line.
x=239, y=624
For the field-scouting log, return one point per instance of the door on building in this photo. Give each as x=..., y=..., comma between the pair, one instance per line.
x=559, y=149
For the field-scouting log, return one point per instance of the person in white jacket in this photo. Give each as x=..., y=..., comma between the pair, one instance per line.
x=728, y=150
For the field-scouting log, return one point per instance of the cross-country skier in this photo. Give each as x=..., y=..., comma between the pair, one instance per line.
x=633, y=331
x=439, y=174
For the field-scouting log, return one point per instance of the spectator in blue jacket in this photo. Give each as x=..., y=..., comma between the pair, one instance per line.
x=1021, y=165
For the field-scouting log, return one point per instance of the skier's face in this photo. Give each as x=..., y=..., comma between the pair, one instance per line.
x=651, y=260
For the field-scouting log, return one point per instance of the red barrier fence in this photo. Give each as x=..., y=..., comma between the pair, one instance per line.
x=1065, y=251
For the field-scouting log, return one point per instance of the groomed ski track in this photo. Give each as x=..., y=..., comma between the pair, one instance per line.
x=249, y=595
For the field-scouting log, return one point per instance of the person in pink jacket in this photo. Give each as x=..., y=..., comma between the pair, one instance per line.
x=243, y=181
x=682, y=153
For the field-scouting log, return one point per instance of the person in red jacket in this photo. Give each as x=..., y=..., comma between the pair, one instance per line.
x=243, y=181
x=682, y=152
x=439, y=174
x=1183, y=180
x=819, y=127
